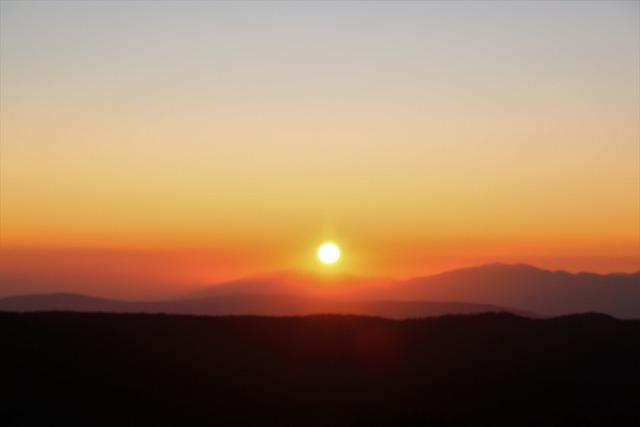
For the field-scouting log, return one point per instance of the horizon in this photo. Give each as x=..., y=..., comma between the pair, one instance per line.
x=309, y=279
x=151, y=147
x=520, y=289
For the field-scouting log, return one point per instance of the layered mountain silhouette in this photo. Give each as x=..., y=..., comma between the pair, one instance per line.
x=520, y=289
x=304, y=283
x=530, y=288
x=252, y=304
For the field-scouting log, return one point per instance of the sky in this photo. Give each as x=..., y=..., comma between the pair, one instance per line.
x=150, y=146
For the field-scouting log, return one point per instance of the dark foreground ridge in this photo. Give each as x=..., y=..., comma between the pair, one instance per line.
x=476, y=370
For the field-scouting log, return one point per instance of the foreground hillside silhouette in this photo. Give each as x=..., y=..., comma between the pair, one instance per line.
x=476, y=370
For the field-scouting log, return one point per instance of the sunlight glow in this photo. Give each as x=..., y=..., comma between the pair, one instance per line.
x=328, y=253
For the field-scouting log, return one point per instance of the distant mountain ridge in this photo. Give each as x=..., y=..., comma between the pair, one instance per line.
x=530, y=288
x=294, y=282
x=249, y=304
x=519, y=288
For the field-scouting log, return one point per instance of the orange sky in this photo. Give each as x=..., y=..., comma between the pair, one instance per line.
x=174, y=143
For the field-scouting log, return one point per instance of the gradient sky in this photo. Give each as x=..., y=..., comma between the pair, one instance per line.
x=184, y=142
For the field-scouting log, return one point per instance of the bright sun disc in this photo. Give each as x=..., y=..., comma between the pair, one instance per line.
x=328, y=253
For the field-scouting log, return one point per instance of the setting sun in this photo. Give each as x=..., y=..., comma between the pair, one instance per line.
x=328, y=253
x=320, y=213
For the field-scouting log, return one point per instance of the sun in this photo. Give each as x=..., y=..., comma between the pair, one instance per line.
x=328, y=253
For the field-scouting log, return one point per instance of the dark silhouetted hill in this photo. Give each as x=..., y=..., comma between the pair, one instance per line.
x=266, y=305
x=80, y=369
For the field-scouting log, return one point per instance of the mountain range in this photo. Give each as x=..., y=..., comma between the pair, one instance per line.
x=520, y=289
x=250, y=304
